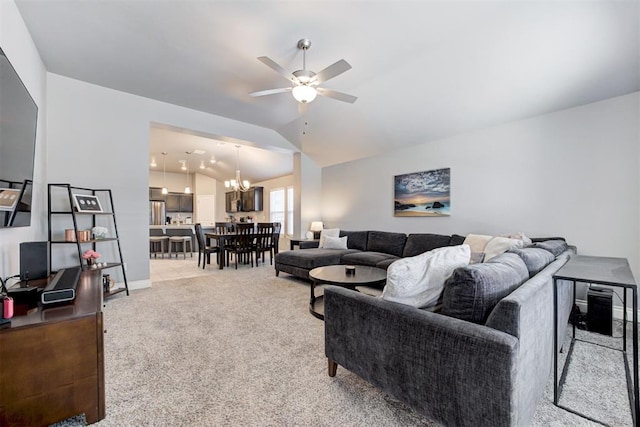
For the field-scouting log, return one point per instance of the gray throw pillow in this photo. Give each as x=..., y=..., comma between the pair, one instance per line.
x=556, y=247
x=472, y=292
x=536, y=259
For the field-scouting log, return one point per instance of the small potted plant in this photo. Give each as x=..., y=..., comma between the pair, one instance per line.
x=91, y=256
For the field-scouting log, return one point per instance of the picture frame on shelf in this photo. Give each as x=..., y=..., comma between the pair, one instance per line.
x=87, y=203
x=9, y=198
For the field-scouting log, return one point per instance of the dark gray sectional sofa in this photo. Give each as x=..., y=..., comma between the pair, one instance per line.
x=483, y=359
x=373, y=248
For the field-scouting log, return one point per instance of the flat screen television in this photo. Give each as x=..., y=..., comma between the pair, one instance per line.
x=18, y=121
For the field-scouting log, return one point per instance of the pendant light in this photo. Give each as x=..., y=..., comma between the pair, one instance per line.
x=187, y=189
x=164, y=173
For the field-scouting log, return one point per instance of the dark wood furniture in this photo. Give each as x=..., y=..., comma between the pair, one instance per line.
x=336, y=275
x=225, y=240
x=242, y=245
x=601, y=271
x=205, y=251
x=52, y=360
x=264, y=241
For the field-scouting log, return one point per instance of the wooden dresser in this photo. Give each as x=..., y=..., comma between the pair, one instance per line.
x=52, y=361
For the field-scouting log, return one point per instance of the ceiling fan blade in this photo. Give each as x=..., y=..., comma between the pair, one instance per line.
x=270, y=91
x=331, y=71
x=336, y=95
x=278, y=68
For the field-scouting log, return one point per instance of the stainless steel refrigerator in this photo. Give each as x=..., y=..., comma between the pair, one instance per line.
x=157, y=211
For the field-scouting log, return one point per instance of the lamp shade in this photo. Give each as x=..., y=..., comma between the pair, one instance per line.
x=316, y=226
x=304, y=93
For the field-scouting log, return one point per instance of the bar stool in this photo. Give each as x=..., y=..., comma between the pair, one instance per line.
x=174, y=241
x=154, y=241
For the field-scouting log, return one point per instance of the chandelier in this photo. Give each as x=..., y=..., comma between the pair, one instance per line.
x=237, y=184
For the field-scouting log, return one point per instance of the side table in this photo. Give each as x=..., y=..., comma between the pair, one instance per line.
x=296, y=242
x=336, y=275
x=601, y=271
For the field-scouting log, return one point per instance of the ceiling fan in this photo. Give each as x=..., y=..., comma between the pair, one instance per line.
x=305, y=82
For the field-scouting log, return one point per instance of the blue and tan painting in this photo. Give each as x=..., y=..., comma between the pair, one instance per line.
x=423, y=193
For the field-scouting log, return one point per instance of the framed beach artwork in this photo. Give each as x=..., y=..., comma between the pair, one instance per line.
x=425, y=193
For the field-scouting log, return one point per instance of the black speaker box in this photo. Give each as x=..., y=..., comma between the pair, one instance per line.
x=600, y=310
x=34, y=260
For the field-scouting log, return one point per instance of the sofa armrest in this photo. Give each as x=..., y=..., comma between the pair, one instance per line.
x=309, y=244
x=451, y=370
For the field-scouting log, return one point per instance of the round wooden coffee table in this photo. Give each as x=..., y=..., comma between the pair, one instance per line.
x=336, y=275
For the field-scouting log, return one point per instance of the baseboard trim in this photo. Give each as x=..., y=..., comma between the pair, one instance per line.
x=617, y=310
x=138, y=284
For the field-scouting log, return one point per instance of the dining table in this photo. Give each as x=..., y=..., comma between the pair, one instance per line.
x=223, y=239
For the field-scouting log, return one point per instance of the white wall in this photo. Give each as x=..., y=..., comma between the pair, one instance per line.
x=573, y=173
x=99, y=137
x=17, y=44
x=307, y=193
x=175, y=182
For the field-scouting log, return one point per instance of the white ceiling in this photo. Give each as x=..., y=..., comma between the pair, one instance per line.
x=422, y=70
x=256, y=164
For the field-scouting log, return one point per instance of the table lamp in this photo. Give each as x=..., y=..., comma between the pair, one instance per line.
x=316, y=227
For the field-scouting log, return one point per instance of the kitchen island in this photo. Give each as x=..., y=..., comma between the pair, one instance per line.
x=175, y=230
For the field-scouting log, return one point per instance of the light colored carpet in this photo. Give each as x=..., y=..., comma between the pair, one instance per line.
x=240, y=348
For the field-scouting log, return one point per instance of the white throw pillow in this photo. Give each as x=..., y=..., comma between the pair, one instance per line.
x=477, y=242
x=330, y=232
x=335, y=242
x=419, y=281
x=498, y=245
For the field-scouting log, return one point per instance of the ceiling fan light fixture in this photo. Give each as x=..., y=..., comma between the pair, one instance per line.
x=304, y=93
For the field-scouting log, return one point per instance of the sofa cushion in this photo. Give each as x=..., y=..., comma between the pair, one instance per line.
x=515, y=262
x=472, y=292
x=335, y=242
x=456, y=240
x=356, y=239
x=556, y=247
x=386, y=242
x=384, y=264
x=536, y=259
x=367, y=258
x=417, y=244
x=499, y=245
x=311, y=258
x=418, y=281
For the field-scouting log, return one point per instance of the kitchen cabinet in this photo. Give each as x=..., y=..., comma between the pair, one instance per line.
x=177, y=202
x=252, y=199
x=231, y=204
x=249, y=201
x=156, y=194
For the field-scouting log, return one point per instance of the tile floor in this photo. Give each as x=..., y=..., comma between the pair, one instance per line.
x=172, y=268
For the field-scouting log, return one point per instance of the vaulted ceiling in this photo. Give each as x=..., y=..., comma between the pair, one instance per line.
x=422, y=70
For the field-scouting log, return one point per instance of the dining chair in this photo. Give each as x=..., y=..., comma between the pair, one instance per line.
x=242, y=244
x=205, y=251
x=264, y=241
x=277, y=227
x=223, y=228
